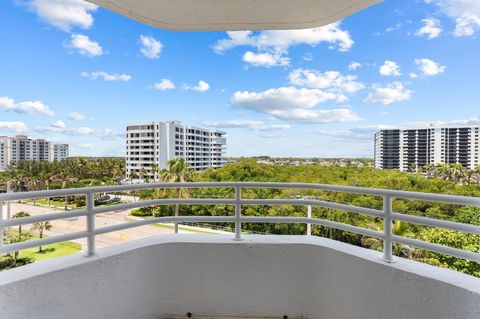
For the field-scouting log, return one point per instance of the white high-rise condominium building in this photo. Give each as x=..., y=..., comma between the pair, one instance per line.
x=20, y=147
x=59, y=152
x=150, y=143
x=409, y=149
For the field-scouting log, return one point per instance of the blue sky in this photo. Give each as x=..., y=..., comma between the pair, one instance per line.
x=72, y=72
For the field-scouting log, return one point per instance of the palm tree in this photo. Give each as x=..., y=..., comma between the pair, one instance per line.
x=143, y=174
x=399, y=228
x=177, y=171
x=46, y=177
x=477, y=174
x=41, y=227
x=154, y=170
x=20, y=215
x=19, y=237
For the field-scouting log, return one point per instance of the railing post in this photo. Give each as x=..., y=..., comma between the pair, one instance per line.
x=238, y=213
x=309, y=215
x=387, y=229
x=9, y=190
x=1, y=224
x=90, y=224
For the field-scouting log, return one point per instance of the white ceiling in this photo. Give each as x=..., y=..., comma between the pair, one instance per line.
x=191, y=15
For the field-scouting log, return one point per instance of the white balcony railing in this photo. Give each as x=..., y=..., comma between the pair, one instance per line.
x=238, y=219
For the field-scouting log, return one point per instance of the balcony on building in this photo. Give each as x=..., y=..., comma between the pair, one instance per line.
x=236, y=275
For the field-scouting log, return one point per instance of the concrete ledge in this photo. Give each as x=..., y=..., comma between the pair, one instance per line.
x=171, y=275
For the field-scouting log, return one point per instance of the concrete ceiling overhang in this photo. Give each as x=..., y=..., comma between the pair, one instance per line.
x=218, y=15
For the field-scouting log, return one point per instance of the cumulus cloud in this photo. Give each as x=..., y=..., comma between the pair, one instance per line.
x=293, y=104
x=61, y=128
x=465, y=13
x=389, y=68
x=164, y=85
x=248, y=124
x=59, y=124
x=151, y=47
x=331, y=81
x=431, y=28
x=108, y=134
x=15, y=127
x=202, y=86
x=265, y=59
x=107, y=76
x=84, y=45
x=363, y=133
x=354, y=66
x=392, y=93
x=396, y=27
x=428, y=67
x=26, y=107
x=281, y=40
x=77, y=116
x=63, y=14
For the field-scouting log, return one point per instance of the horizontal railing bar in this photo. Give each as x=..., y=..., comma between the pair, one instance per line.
x=41, y=242
x=317, y=221
x=165, y=220
x=325, y=204
x=454, y=252
x=42, y=218
x=453, y=199
x=467, y=228
x=165, y=201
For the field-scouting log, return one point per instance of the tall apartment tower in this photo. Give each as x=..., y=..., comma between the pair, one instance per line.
x=409, y=149
x=150, y=143
x=59, y=152
x=20, y=147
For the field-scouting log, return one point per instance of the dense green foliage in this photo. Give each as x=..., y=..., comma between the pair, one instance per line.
x=249, y=170
x=72, y=172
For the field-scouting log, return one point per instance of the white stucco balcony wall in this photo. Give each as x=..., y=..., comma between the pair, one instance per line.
x=298, y=276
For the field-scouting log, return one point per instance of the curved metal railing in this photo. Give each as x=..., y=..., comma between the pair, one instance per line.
x=386, y=213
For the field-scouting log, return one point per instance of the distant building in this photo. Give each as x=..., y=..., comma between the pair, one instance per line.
x=59, y=152
x=409, y=149
x=150, y=143
x=20, y=147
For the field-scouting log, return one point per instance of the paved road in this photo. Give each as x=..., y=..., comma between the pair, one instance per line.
x=62, y=226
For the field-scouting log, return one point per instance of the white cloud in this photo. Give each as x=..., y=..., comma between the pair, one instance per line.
x=431, y=28
x=61, y=128
x=466, y=14
x=429, y=67
x=76, y=116
x=249, y=124
x=331, y=81
x=164, y=85
x=63, y=14
x=392, y=93
x=84, y=45
x=265, y=59
x=59, y=124
x=308, y=57
x=389, y=68
x=16, y=127
x=151, y=48
x=106, y=76
x=108, y=134
x=280, y=40
x=202, y=86
x=26, y=107
x=293, y=104
x=413, y=75
x=364, y=133
x=396, y=27
x=354, y=66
